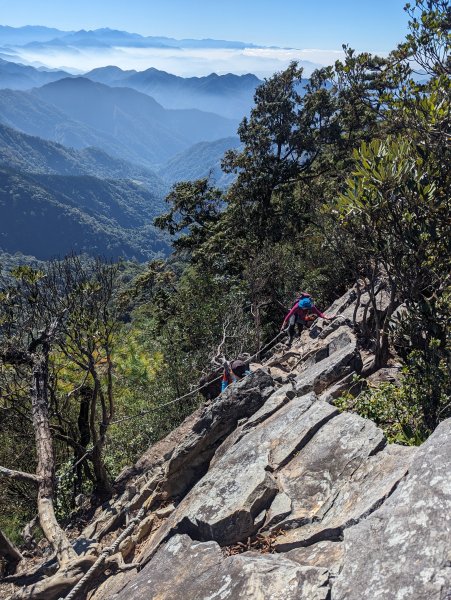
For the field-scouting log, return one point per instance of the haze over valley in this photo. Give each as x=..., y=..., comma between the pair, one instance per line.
x=86, y=160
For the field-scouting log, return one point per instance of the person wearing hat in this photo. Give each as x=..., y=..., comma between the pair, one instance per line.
x=233, y=372
x=301, y=313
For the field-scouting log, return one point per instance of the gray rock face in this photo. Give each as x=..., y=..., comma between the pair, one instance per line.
x=347, y=515
x=403, y=550
x=183, y=569
x=224, y=505
x=317, y=474
x=323, y=554
x=343, y=495
x=341, y=357
x=216, y=421
x=177, y=461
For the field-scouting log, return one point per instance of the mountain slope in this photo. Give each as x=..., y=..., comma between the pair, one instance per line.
x=21, y=77
x=125, y=123
x=48, y=215
x=27, y=113
x=228, y=95
x=199, y=161
x=116, y=110
x=32, y=154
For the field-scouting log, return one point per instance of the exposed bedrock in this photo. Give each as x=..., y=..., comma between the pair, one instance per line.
x=270, y=493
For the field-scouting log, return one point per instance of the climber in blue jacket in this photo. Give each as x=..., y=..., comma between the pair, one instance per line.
x=233, y=372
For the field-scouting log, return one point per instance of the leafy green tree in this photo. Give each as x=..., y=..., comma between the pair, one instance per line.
x=195, y=206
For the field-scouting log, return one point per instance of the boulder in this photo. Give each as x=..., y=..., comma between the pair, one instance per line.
x=348, y=384
x=353, y=493
x=226, y=503
x=386, y=375
x=272, y=405
x=313, y=478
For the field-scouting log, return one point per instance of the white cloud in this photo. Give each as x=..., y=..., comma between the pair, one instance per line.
x=184, y=62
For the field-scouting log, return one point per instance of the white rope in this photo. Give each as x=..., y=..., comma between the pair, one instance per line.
x=188, y=394
x=128, y=530
x=104, y=555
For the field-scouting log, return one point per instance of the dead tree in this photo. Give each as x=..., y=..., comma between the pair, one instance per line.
x=65, y=309
x=37, y=358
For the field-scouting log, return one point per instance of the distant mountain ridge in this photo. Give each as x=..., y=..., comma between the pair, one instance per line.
x=46, y=36
x=133, y=119
x=125, y=123
x=32, y=154
x=50, y=215
x=227, y=95
x=76, y=51
x=22, y=77
x=54, y=200
x=28, y=33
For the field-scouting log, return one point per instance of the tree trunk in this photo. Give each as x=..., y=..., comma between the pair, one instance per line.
x=257, y=328
x=46, y=461
x=102, y=486
x=384, y=345
x=85, y=394
x=9, y=552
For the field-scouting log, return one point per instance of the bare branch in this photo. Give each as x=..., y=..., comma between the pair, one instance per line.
x=20, y=475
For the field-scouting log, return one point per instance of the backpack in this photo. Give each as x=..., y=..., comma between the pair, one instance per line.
x=305, y=303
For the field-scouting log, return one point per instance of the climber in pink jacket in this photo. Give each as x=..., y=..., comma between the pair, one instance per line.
x=300, y=314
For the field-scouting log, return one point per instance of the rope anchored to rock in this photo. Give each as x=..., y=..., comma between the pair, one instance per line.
x=107, y=552
x=110, y=550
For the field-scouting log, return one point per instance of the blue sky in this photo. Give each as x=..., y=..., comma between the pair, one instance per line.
x=314, y=31
x=375, y=25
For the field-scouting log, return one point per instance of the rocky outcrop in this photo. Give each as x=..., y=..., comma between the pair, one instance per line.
x=269, y=492
x=172, y=466
x=199, y=571
x=407, y=542
x=229, y=503
x=295, y=477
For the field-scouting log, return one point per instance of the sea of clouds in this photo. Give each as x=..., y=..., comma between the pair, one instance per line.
x=185, y=62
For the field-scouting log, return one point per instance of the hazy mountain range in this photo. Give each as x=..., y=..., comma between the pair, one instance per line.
x=51, y=215
x=85, y=162
x=85, y=195
x=81, y=51
x=228, y=95
x=125, y=123
x=39, y=36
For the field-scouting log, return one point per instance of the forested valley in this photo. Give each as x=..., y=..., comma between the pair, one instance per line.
x=338, y=182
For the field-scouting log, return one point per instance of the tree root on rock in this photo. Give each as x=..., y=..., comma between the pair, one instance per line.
x=58, y=585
